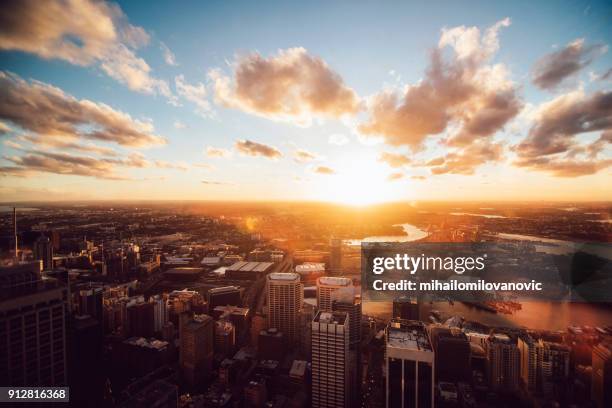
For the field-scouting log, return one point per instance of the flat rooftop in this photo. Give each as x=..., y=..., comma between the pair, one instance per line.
x=245, y=266
x=330, y=318
x=280, y=276
x=408, y=334
x=335, y=281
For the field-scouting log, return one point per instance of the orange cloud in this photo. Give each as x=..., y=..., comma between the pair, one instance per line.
x=552, y=144
x=250, y=148
x=328, y=171
x=83, y=33
x=394, y=160
x=290, y=86
x=465, y=91
x=50, y=113
x=552, y=69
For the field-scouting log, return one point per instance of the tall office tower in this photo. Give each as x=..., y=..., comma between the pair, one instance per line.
x=530, y=355
x=352, y=307
x=160, y=313
x=330, y=360
x=327, y=285
x=140, y=319
x=504, y=361
x=453, y=353
x=196, y=353
x=33, y=334
x=406, y=307
x=89, y=302
x=85, y=351
x=285, y=297
x=601, y=382
x=555, y=369
x=410, y=363
x=43, y=251
x=225, y=338
x=335, y=256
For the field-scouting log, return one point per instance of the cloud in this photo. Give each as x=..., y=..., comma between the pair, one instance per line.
x=62, y=163
x=4, y=128
x=464, y=91
x=168, y=55
x=418, y=178
x=41, y=161
x=217, y=183
x=328, y=171
x=179, y=125
x=394, y=160
x=205, y=166
x=67, y=144
x=552, y=144
x=50, y=113
x=552, y=69
x=465, y=160
x=217, y=152
x=289, y=86
x=162, y=164
x=250, y=148
x=395, y=176
x=338, y=139
x=195, y=94
x=82, y=33
x=303, y=156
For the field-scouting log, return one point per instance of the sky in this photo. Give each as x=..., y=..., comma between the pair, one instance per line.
x=352, y=102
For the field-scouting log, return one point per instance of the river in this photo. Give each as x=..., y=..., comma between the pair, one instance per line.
x=534, y=315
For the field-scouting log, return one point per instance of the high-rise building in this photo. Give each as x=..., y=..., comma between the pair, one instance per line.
x=335, y=256
x=33, y=334
x=196, y=352
x=326, y=288
x=285, y=294
x=352, y=307
x=43, y=251
x=453, y=352
x=601, y=382
x=410, y=363
x=504, y=361
x=330, y=360
x=225, y=338
x=406, y=307
x=89, y=301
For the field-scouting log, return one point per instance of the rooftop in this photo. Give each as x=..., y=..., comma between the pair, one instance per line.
x=280, y=276
x=331, y=318
x=334, y=281
x=408, y=334
x=245, y=266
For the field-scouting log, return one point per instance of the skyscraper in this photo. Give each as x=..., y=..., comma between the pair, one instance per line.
x=409, y=365
x=330, y=360
x=43, y=251
x=406, y=307
x=601, y=383
x=452, y=349
x=335, y=256
x=196, y=353
x=327, y=285
x=285, y=294
x=33, y=335
x=504, y=362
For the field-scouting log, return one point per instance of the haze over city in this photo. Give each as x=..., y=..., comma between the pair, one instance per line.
x=342, y=102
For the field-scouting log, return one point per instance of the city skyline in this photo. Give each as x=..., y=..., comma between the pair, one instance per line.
x=350, y=103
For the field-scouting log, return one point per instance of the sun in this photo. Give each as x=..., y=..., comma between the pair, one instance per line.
x=359, y=180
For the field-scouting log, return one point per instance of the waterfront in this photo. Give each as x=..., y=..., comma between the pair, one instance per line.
x=533, y=315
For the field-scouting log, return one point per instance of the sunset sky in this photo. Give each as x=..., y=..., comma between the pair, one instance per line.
x=354, y=102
